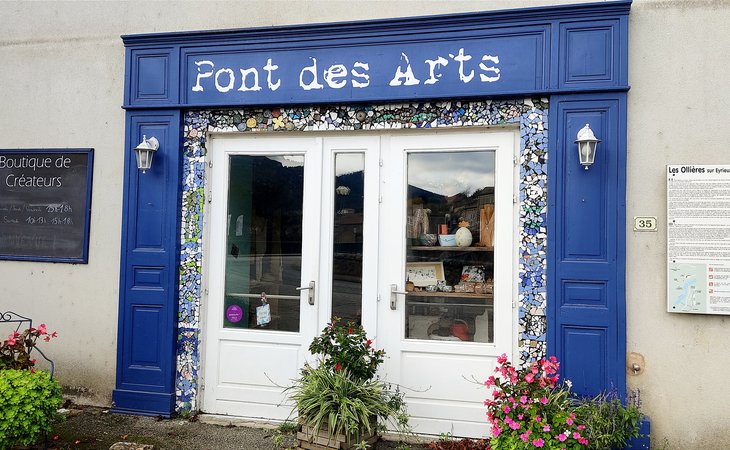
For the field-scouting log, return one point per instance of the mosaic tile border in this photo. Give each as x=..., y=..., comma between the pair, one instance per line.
x=530, y=114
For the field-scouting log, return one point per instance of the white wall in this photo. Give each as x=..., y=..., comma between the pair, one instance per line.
x=61, y=85
x=678, y=67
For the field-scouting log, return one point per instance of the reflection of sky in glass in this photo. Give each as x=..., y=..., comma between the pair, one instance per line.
x=288, y=160
x=347, y=163
x=451, y=173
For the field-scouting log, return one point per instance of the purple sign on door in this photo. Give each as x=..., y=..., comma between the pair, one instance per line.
x=234, y=313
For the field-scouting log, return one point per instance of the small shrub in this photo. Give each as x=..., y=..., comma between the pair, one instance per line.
x=609, y=423
x=28, y=403
x=15, y=351
x=347, y=347
x=529, y=410
x=341, y=403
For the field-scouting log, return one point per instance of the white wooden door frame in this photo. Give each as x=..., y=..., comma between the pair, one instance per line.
x=262, y=398
x=402, y=352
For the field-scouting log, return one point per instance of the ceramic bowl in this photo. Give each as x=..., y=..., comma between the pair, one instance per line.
x=427, y=239
x=447, y=240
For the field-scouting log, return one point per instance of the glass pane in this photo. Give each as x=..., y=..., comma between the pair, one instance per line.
x=264, y=242
x=450, y=249
x=348, y=225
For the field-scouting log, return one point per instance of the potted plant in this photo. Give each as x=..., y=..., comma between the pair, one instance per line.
x=339, y=400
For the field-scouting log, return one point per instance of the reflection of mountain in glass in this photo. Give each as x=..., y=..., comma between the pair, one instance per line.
x=448, y=209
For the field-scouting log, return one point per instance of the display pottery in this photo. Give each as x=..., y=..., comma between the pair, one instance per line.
x=463, y=236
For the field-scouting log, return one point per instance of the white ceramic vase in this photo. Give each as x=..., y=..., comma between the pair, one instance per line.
x=463, y=237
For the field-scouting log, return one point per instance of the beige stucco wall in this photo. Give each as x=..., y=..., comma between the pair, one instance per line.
x=62, y=80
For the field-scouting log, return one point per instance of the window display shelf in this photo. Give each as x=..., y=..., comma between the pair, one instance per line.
x=450, y=295
x=437, y=248
x=480, y=305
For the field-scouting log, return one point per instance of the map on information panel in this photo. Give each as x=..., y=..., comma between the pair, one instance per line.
x=698, y=239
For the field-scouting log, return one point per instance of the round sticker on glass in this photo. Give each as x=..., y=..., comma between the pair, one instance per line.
x=234, y=313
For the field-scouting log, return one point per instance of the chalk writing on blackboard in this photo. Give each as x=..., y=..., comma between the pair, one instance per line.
x=45, y=200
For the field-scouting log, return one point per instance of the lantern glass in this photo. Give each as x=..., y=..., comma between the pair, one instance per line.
x=587, y=152
x=144, y=158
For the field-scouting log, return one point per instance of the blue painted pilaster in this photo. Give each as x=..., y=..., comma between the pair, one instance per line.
x=149, y=262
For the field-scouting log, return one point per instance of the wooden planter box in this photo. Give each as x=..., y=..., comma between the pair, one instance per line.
x=321, y=440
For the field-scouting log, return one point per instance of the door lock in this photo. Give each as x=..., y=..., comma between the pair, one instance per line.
x=393, y=296
x=309, y=288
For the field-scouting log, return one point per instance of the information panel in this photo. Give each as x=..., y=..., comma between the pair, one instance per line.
x=45, y=202
x=698, y=239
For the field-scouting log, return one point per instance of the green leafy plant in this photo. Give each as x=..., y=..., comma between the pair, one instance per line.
x=341, y=394
x=29, y=402
x=610, y=424
x=529, y=410
x=15, y=351
x=341, y=403
x=347, y=347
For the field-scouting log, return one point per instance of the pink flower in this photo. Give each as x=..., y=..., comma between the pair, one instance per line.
x=546, y=428
x=529, y=378
x=583, y=441
x=581, y=427
x=514, y=425
x=523, y=399
x=569, y=421
x=490, y=381
x=538, y=442
x=538, y=418
x=54, y=334
x=543, y=400
x=47, y=338
x=523, y=436
x=507, y=409
x=11, y=341
x=520, y=416
x=502, y=358
x=576, y=435
x=42, y=329
x=562, y=437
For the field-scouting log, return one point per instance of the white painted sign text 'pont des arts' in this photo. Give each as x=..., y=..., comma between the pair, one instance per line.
x=481, y=67
x=338, y=76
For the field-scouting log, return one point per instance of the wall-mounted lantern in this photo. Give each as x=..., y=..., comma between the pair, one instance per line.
x=587, y=144
x=145, y=151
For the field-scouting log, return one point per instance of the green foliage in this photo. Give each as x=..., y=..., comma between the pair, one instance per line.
x=347, y=347
x=16, y=349
x=341, y=403
x=28, y=403
x=610, y=424
x=530, y=410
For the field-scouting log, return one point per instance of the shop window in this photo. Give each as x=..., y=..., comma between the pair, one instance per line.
x=264, y=242
x=450, y=249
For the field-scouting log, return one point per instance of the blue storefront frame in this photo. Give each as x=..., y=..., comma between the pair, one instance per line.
x=577, y=56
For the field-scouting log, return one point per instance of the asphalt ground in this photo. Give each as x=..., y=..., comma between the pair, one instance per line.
x=87, y=428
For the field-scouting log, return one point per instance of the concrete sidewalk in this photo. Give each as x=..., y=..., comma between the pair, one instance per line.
x=96, y=428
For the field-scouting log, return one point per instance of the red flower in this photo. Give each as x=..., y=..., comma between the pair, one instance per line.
x=338, y=366
x=349, y=331
x=369, y=342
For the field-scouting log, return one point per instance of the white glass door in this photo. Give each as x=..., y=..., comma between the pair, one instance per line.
x=293, y=242
x=446, y=271
x=263, y=300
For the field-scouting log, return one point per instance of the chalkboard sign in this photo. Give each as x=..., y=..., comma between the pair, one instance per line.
x=45, y=204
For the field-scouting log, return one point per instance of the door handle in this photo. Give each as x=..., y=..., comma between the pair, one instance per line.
x=309, y=288
x=393, y=293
